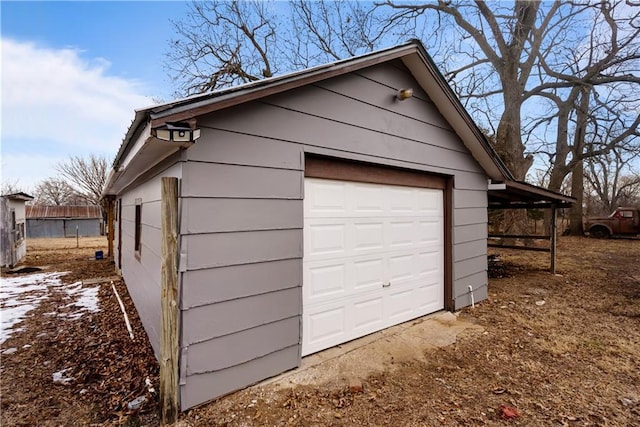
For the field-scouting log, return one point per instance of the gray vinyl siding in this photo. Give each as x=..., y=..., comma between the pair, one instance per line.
x=206, y=386
x=142, y=273
x=240, y=281
x=241, y=227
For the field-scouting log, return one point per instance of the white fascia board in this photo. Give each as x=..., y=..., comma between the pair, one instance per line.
x=137, y=146
x=497, y=187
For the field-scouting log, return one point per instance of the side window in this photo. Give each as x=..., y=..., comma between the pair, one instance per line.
x=627, y=214
x=138, y=227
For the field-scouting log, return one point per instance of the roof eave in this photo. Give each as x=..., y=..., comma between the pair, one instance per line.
x=263, y=88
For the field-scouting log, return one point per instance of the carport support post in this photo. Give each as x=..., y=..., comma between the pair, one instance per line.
x=169, y=303
x=553, y=234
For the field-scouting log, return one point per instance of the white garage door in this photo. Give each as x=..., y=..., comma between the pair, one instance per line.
x=373, y=258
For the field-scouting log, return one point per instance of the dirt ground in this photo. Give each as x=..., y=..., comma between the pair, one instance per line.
x=559, y=350
x=108, y=368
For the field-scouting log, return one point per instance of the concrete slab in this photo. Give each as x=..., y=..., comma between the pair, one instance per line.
x=377, y=352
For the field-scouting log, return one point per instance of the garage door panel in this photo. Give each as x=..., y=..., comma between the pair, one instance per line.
x=373, y=259
x=367, y=235
x=368, y=274
x=430, y=204
x=429, y=232
x=429, y=264
x=365, y=200
x=430, y=297
x=325, y=198
x=400, y=200
x=402, y=268
x=367, y=314
x=401, y=233
x=401, y=305
x=326, y=281
x=324, y=239
x=325, y=324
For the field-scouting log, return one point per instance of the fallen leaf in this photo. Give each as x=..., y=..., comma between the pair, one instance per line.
x=508, y=412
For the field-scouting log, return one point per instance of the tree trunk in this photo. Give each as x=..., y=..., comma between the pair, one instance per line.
x=577, y=192
x=508, y=137
x=577, y=177
x=511, y=150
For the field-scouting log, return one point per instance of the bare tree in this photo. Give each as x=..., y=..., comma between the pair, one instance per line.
x=89, y=175
x=54, y=191
x=581, y=57
x=327, y=31
x=594, y=90
x=592, y=87
x=224, y=43
x=531, y=72
x=12, y=187
x=611, y=181
x=499, y=46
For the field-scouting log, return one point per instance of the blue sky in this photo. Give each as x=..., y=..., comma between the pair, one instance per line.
x=72, y=74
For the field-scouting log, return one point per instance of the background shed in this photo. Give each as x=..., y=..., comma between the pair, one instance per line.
x=12, y=228
x=62, y=221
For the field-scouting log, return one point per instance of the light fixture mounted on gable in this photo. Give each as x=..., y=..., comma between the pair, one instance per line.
x=404, y=94
x=181, y=133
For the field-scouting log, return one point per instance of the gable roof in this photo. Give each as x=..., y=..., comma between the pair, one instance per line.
x=18, y=196
x=54, y=212
x=139, y=137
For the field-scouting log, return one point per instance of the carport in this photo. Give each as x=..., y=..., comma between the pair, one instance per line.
x=520, y=195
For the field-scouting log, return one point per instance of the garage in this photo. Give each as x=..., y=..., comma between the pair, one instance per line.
x=314, y=208
x=373, y=258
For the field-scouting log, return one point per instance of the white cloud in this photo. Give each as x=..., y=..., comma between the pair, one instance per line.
x=62, y=103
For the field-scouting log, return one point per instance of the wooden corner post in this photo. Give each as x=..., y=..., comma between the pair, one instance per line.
x=169, y=376
x=110, y=226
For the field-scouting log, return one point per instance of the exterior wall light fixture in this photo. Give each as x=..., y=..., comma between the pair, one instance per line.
x=177, y=132
x=404, y=94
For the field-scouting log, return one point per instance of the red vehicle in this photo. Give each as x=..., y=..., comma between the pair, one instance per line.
x=623, y=221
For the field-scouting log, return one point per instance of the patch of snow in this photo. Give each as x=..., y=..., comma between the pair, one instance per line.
x=20, y=295
x=85, y=299
x=23, y=294
x=61, y=377
x=10, y=350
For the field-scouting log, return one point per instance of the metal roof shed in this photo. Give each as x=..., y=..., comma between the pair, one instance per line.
x=64, y=221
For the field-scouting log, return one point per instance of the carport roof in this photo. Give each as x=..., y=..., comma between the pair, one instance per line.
x=517, y=194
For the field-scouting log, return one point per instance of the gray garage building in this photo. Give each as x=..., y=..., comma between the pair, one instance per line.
x=64, y=221
x=315, y=208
